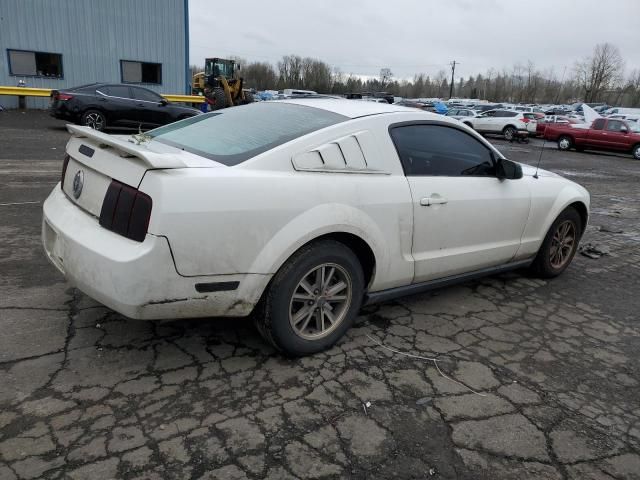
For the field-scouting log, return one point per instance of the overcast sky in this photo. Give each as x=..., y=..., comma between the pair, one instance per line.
x=411, y=36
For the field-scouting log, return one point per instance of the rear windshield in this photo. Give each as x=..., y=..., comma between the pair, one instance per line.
x=236, y=134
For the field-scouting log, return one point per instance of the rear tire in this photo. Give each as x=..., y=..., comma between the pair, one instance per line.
x=94, y=119
x=509, y=133
x=295, y=315
x=565, y=143
x=636, y=152
x=559, y=245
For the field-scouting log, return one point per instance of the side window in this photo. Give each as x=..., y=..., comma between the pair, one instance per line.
x=598, y=124
x=146, y=95
x=614, y=125
x=140, y=72
x=121, y=91
x=35, y=64
x=437, y=150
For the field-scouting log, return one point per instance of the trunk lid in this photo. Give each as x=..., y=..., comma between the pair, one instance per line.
x=96, y=158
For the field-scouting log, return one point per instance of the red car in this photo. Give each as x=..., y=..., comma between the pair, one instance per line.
x=604, y=134
x=553, y=120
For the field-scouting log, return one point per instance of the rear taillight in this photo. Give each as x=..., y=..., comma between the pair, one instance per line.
x=126, y=211
x=64, y=96
x=525, y=120
x=65, y=164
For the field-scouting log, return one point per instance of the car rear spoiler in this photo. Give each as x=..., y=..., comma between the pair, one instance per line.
x=129, y=148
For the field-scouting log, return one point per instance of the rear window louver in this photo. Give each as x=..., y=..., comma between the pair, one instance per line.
x=351, y=154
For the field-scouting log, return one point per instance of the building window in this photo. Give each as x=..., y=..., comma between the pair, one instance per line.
x=35, y=64
x=140, y=72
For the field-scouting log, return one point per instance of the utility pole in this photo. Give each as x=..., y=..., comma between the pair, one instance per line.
x=453, y=71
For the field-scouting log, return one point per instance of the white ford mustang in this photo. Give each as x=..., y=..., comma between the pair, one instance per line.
x=300, y=211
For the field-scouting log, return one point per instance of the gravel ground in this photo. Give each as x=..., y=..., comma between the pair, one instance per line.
x=548, y=384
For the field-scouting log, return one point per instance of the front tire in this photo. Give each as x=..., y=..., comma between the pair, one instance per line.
x=636, y=152
x=565, y=143
x=220, y=99
x=94, y=119
x=559, y=245
x=312, y=300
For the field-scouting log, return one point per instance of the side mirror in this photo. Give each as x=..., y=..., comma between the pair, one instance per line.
x=508, y=170
x=624, y=130
x=164, y=102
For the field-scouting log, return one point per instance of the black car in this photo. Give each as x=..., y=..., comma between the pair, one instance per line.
x=102, y=105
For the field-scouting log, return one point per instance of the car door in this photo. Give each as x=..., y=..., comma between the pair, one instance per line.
x=483, y=123
x=116, y=101
x=614, y=137
x=465, y=218
x=151, y=109
x=596, y=137
x=504, y=118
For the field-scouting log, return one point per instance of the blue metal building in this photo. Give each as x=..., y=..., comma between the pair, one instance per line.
x=64, y=43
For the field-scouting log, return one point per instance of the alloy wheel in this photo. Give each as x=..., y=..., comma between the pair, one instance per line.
x=94, y=120
x=562, y=244
x=564, y=143
x=320, y=301
x=509, y=133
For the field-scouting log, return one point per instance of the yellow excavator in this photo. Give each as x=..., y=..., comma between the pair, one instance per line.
x=220, y=84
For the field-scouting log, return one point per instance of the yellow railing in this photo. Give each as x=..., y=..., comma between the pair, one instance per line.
x=25, y=91
x=184, y=98
x=46, y=92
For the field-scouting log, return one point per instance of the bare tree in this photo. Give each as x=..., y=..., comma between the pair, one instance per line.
x=316, y=75
x=259, y=75
x=290, y=70
x=386, y=75
x=600, y=72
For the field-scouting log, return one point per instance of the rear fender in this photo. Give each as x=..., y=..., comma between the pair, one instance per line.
x=322, y=220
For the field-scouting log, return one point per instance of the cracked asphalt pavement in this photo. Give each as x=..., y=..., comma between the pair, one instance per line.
x=542, y=375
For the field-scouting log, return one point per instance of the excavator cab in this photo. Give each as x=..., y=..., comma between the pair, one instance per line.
x=219, y=67
x=223, y=85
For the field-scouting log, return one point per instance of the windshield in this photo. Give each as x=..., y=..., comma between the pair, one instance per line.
x=236, y=134
x=634, y=127
x=221, y=68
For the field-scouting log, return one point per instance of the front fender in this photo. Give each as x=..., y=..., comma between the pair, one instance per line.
x=568, y=195
x=548, y=201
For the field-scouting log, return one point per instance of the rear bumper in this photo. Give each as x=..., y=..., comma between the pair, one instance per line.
x=62, y=114
x=138, y=280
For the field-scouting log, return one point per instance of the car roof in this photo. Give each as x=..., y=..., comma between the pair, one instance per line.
x=348, y=108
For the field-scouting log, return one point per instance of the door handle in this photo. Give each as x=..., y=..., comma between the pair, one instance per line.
x=434, y=199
